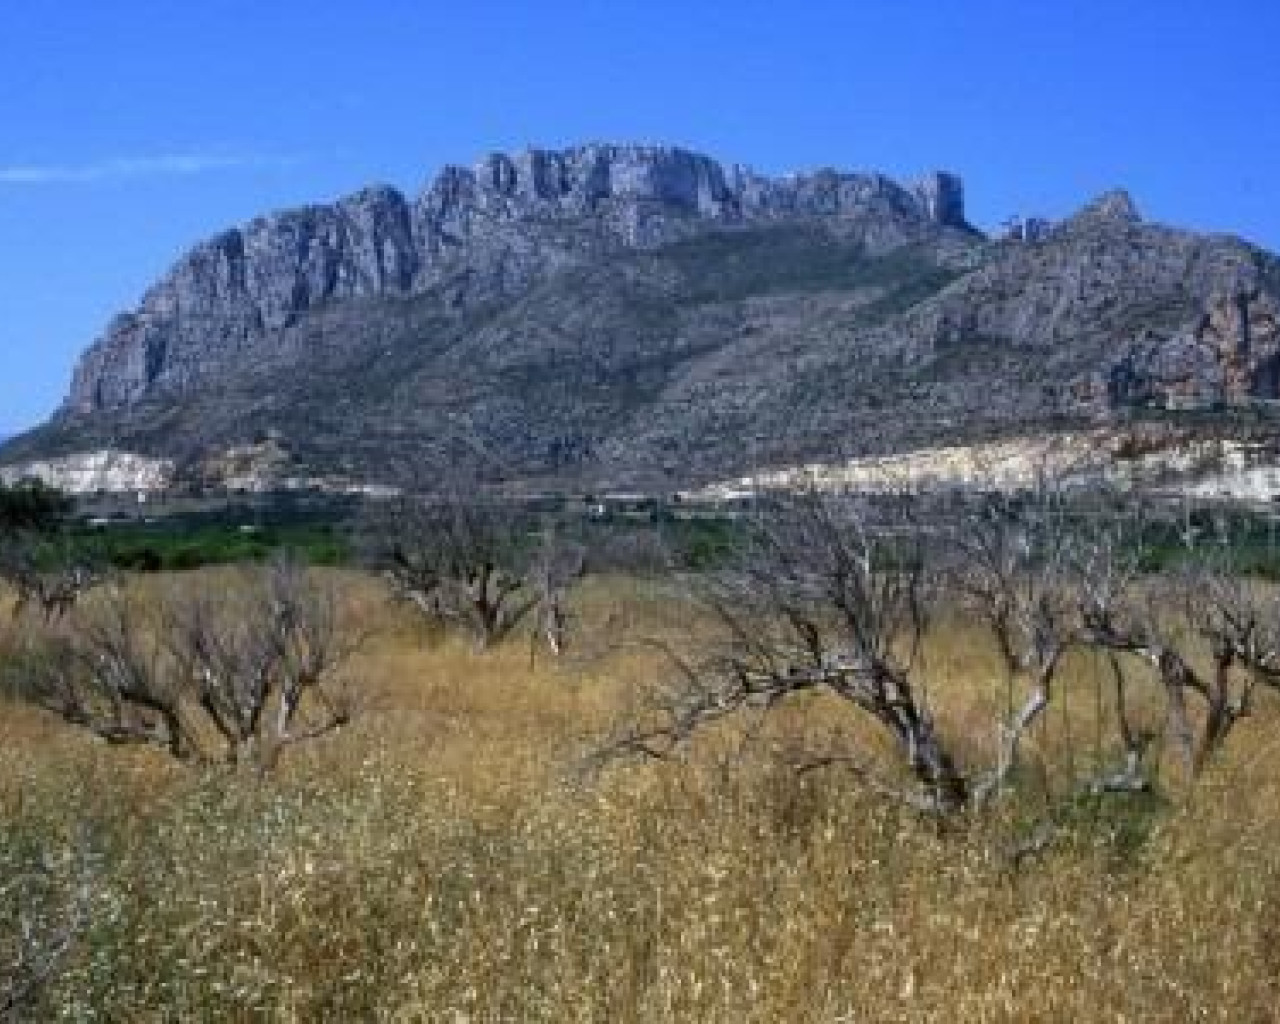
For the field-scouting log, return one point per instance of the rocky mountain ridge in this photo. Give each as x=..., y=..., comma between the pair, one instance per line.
x=480, y=232
x=646, y=317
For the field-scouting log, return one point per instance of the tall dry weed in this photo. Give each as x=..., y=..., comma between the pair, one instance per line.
x=444, y=859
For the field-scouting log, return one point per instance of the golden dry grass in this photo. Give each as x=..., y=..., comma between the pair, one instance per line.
x=446, y=858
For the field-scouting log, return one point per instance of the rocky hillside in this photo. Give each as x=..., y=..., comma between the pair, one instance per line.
x=647, y=317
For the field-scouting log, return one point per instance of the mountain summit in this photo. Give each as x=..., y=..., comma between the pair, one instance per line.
x=648, y=316
x=475, y=234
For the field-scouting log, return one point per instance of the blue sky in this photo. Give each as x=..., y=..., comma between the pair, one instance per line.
x=131, y=129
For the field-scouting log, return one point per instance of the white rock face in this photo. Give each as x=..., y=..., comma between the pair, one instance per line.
x=245, y=469
x=1225, y=470
x=94, y=472
x=997, y=466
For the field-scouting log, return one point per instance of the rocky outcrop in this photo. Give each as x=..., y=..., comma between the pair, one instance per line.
x=1229, y=355
x=100, y=472
x=942, y=196
x=1093, y=281
x=481, y=232
x=1114, y=208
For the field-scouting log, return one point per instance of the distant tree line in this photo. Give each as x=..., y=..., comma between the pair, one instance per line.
x=32, y=506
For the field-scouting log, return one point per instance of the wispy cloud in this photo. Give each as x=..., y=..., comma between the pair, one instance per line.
x=163, y=165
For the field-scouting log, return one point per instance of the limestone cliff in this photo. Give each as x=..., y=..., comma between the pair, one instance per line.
x=482, y=232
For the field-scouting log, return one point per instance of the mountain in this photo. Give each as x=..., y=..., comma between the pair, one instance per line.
x=641, y=316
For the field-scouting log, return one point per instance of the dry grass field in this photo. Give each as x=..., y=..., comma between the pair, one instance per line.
x=451, y=856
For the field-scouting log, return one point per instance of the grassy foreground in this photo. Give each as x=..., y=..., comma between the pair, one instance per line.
x=449, y=857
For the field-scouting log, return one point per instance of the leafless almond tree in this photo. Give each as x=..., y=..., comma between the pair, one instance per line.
x=837, y=592
x=820, y=601
x=51, y=592
x=477, y=564
x=1007, y=559
x=256, y=667
x=557, y=563
x=1205, y=603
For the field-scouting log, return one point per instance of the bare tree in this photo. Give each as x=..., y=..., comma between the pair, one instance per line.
x=475, y=564
x=556, y=564
x=256, y=669
x=1108, y=585
x=1204, y=601
x=106, y=671
x=32, y=522
x=820, y=600
x=261, y=670
x=837, y=594
x=52, y=592
x=1008, y=559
